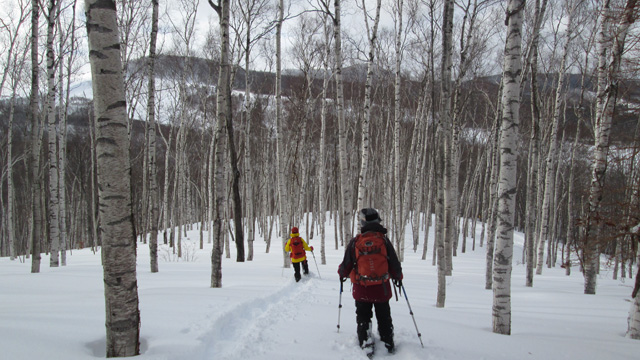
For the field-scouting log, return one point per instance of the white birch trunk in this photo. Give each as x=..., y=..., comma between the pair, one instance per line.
x=508, y=166
x=37, y=129
x=372, y=35
x=446, y=119
x=114, y=179
x=223, y=95
x=10, y=230
x=280, y=145
x=397, y=191
x=151, y=129
x=322, y=183
x=345, y=186
x=439, y=232
x=54, y=185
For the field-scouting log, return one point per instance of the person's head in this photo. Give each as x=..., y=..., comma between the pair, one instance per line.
x=294, y=230
x=368, y=216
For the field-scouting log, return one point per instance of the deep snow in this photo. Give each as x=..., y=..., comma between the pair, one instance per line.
x=262, y=313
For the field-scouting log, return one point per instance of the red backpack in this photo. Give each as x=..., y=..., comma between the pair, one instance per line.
x=371, y=266
x=297, y=249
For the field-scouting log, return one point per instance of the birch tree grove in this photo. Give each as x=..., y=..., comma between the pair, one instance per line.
x=508, y=166
x=17, y=60
x=427, y=110
x=549, y=187
x=114, y=179
x=611, y=47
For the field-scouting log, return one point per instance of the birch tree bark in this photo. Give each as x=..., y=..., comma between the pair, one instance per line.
x=280, y=146
x=345, y=187
x=610, y=50
x=508, y=166
x=36, y=133
x=114, y=180
x=322, y=183
x=54, y=200
x=397, y=192
x=372, y=35
x=446, y=120
x=151, y=129
x=17, y=69
x=439, y=230
x=223, y=96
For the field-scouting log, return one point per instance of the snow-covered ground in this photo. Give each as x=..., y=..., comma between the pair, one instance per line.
x=262, y=313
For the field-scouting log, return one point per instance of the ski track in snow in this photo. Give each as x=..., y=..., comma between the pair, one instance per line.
x=247, y=331
x=280, y=323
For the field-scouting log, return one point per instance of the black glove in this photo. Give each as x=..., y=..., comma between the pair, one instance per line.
x=397, y=283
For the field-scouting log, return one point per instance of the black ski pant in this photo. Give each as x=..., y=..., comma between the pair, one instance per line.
x=364, y=313
x=296, y=269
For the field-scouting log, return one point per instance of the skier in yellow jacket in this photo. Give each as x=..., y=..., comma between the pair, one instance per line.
x=297, y=246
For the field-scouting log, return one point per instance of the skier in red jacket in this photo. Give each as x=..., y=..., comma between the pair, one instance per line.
x=371, y=261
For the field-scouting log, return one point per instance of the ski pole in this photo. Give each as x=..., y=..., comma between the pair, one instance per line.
x=314, y=260
x=340, y=304
x=411, y=312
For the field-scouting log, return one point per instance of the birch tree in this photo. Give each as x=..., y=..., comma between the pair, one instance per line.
x=446, y=123
x=223, y=100
x=151, y=128
x=322, y=193
x=508, y=166
x=280, y=150
x=372, y=36
x=345, y=187
x=36, y=136
x=54, y=185
x=114, y=180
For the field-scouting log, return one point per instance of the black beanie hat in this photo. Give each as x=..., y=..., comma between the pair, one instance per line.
x=368, y=216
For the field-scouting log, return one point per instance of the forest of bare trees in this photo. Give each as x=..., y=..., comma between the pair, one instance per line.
x=241, y=117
